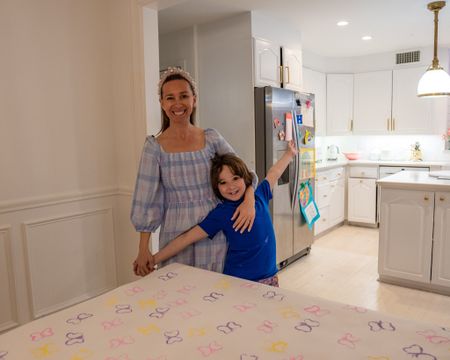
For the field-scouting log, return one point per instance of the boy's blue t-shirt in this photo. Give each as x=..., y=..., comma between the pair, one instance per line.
x=251, y=255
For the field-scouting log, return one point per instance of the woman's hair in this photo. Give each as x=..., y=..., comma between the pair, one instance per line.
x=237, y=167
x=171, y=74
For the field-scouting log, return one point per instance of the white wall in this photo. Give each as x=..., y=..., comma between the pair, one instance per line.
x=179, y=49
x=374, y=62
x=399, y=146
x=276, y=31
x=72, y=120
x=225, y=82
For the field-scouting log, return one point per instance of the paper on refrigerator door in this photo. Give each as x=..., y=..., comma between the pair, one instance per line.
x=288, y=129
x=308, y=206
x=308, y=114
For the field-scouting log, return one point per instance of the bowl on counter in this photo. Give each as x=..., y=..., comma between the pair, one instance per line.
x=351, y=155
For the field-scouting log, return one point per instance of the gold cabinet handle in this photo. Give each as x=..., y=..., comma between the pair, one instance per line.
x=288, y=75
x=281, y=74
x=351, y=124
x=393, y=124
x=387, y=124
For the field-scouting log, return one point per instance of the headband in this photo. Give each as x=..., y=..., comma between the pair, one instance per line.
x=177, y=71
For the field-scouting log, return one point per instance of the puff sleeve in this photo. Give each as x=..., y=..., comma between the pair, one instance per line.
x=147, y=209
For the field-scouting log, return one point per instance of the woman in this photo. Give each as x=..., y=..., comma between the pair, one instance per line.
x=173, y=188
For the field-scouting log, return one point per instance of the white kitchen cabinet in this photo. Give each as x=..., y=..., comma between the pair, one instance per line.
x=277, y=66
x=406, y=226
x=410, y=114
x=362, y=200
x=385, y=102
x=330, y=198
x=414, y=246
x=267, y=63
x=441, y=240
x=372, y=102
x=292, y=68
x=362, y=194
x=339, y=104
x=315, y=82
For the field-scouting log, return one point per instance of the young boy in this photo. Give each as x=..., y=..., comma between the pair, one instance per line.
x=251, y=255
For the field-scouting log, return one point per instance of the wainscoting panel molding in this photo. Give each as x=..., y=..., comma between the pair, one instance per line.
x=8, y=310
x=69, y=258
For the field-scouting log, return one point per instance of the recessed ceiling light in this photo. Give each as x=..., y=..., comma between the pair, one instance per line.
x=367, y=37
x=342, y=23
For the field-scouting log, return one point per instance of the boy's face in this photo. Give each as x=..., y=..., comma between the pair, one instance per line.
x=231, y=187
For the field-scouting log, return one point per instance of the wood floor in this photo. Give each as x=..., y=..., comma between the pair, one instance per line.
x=342, y=267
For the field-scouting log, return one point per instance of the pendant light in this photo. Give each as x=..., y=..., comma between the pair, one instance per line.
x=435, y=81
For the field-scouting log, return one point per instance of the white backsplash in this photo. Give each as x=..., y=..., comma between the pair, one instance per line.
x=389, y=147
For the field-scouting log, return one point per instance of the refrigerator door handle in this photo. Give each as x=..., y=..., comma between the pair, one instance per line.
x=295, y=162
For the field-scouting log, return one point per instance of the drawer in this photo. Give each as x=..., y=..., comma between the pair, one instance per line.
x=337, y=174
x=330, y=175
x=369, y=172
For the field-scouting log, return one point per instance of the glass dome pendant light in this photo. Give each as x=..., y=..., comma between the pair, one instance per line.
x=435, y=82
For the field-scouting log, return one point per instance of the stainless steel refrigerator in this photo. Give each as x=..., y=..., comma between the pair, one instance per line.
x=272, y=109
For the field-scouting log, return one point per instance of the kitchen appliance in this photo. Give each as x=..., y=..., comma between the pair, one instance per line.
x=332, y=152
x=275, y=108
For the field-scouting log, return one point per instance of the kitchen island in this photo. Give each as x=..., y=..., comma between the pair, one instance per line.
x=414, y=248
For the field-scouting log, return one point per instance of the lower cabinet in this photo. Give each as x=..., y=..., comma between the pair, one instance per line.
x=330, y=198
x=362, y=195
x=415, y=236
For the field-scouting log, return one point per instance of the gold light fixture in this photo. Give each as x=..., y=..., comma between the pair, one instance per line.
x=435, y=82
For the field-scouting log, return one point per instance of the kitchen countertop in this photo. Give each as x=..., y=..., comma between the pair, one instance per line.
x=329, y=164
x=414, y=180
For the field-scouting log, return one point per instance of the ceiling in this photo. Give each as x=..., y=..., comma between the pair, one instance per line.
x=393, y=24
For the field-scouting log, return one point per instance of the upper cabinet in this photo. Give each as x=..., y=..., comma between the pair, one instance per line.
x=410, y=114
x=315, y=82
x=372, y=102
x=275, y=65
x=385, y=102
x=292, y=68
x=267, y=63
x=339, y=100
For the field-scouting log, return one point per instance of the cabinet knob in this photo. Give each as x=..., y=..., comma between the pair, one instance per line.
x=442, y=198
x=425, y=198
x=360, y=181
x=325, y=196
x=362, y=172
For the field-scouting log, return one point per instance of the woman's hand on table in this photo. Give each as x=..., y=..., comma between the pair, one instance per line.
x=144, y=263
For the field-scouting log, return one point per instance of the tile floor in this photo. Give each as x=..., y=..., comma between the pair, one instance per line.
x=342, y=267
